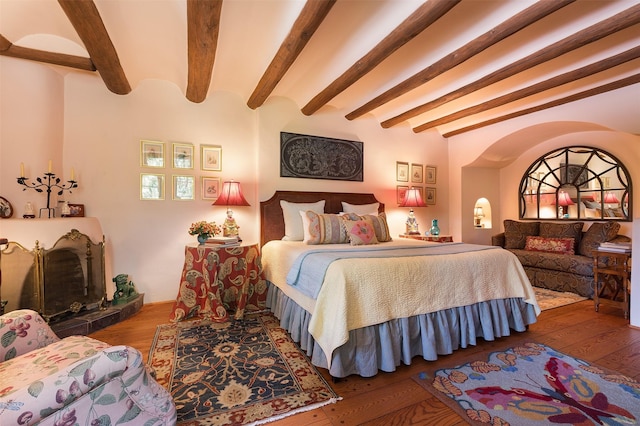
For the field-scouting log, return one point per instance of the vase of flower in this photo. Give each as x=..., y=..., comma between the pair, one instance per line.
x=204, y=230
x=202, y=238
x=435, y=229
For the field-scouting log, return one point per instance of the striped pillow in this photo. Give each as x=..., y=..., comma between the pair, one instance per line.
x=323, y=228
x=379, y=223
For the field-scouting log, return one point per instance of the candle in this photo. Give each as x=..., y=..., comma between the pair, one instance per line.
x=73, y=174
x=21, y=169
x=49, y=166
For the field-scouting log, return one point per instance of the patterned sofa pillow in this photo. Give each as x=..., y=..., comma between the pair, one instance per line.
x=550, y=245
x=598, y=232
x=323, y=228
x=515, y=233
x=360, y=232
x=563, y=230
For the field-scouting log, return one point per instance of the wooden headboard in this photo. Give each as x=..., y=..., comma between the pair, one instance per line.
x=272, y=219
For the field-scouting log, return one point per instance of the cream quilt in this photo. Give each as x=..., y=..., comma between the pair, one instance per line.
x=360, y=292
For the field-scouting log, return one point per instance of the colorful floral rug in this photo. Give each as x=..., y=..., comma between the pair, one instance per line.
x=533, y=384
x=236, y=373
x=549, y=299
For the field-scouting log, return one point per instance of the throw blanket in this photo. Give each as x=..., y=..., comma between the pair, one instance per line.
x=309, y=269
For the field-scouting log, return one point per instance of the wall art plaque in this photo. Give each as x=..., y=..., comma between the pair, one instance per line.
x=316, y=157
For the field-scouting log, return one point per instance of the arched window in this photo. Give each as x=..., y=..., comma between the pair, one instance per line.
x=576, y=183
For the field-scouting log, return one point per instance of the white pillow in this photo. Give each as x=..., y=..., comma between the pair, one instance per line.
x=293, y=229
x=361, y=209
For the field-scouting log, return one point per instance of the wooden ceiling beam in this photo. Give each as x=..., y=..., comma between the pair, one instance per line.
x=512, y=25
x=593, y=33
x=203, y=26
x=551, y=83
x=310, y=18
x=11, y=50
x=628, y=81
x=428, y=13
x=86, y=20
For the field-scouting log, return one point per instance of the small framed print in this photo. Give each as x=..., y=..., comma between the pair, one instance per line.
x=401, y=190
x=210, y=188
x=151, y=186
x=430, y=175
x=402, y=171
x=430, y=196
x=184, y=187
x=182, y=156
x=416, y=173
x=151, y=154
x=76, y=210
x=211, y=157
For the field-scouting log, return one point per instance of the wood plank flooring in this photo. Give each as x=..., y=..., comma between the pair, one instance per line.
x=604, y=338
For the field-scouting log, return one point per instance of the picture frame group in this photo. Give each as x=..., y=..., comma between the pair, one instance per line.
x=415, y=173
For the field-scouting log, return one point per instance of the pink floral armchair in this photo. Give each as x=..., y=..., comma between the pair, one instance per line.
x=76, y=380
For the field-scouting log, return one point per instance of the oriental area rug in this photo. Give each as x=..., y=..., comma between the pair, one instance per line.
x=243, y=372
x=549, y=299
x=533, y=384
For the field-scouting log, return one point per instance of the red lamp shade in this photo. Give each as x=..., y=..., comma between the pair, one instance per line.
x=412, y=198
x=610, y=198
x=564, y=199
x=231, y=195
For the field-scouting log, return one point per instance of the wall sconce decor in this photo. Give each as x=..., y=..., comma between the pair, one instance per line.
x=47, y=183
x=230, y=195
x=412, y=198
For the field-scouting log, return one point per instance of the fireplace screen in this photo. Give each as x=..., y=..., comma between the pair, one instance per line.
x=63, y=280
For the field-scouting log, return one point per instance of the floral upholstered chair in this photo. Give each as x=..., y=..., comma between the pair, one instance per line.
x=76, y=380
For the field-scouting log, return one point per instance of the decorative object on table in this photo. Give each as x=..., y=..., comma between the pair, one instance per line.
x=210, y=188
x=478, y=214
x=151, y=154
x=435, y=229
x=254, y=372
x=211, y=157
x=430, y=196
x=47, y=183
x=564, y=200
x=65, y=210
x=204, y=230
x=316, y=157
x=230, y=195
x=402, y=171
x=182, y=156
x=76, y=210
x=221, y=241
x=6, y=210
x=412, y=199
x=125, y=290
x=416, y=173
x=534, y=384
x=29, y=212
x=430, y=175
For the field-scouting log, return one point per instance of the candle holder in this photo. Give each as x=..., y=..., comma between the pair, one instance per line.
x=46, y=183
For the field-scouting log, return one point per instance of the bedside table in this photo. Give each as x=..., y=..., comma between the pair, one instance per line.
x=432, y=238
x=611, y=275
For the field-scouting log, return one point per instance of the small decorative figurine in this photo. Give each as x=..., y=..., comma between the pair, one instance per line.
x=230, y=227
x=125, y=289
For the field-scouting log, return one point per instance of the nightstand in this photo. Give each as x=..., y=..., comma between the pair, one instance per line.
x=611, y=275
x=432, y=238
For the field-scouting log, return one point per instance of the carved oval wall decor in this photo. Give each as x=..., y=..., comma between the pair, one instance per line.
x=316, y=157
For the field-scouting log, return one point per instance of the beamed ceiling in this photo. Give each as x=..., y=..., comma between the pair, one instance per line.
x=452, y=66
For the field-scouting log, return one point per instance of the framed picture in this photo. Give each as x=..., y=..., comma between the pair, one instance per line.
x=402, y=171
x=151, y=154
x=430, y=196
x=574, y=174
x=416, y=173
x=76, y=210
x=210, y=188
x=6, y=210
x=184, y=187
x=430, y=175
x=182, y=156
x=211, y=157
x=151, y=186
x=401, y=190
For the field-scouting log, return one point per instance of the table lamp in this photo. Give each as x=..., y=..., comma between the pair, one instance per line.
x=478, y=214
x=611, y=199
x=230, y=195
x=412, y=198
x=564, y=200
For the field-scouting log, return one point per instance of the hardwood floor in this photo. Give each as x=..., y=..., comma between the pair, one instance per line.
x=604, y=338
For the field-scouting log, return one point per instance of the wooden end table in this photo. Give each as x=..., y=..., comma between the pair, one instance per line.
x=611, y=276
x=432, y=238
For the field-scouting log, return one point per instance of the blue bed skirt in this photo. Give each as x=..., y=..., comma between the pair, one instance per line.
x=385, y=346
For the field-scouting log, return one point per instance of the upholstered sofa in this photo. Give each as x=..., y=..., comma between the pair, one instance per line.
x=558, y=256
x=76, y=380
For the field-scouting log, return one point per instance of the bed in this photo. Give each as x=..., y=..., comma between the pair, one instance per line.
x=377, y=306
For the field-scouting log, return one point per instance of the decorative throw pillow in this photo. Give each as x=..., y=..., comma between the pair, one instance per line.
x=293, y=230
x=598, y=232
x=563, y=230
x=380, y=226
x=323, y=228
x=515, y=233
x=360, y=232
x=361, y=209
x=550, y=245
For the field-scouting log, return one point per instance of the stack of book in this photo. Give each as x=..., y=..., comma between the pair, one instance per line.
x=615, y=247
x=223, y=241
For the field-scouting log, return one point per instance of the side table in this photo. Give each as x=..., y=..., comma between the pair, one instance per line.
x=611, y=276
x=433, y=238
x=217, y=279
